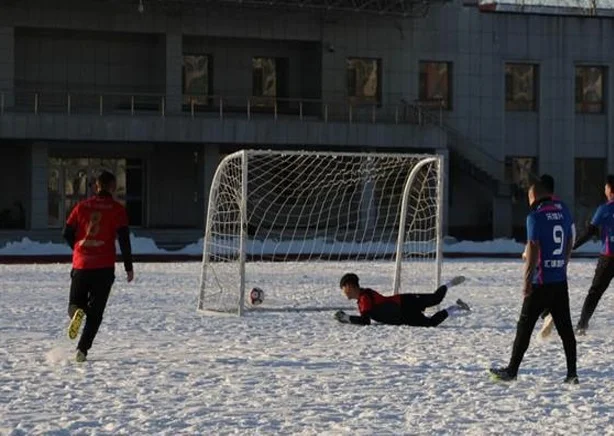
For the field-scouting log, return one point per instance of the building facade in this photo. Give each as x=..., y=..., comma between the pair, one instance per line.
x=159, y=92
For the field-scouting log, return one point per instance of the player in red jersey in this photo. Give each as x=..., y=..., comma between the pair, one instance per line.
x=91, y=230
x=400, y=309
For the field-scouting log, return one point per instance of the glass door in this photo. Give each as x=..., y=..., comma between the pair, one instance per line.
x=72, y=180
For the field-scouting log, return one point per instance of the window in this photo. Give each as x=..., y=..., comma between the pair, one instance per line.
x=363, y=80
x=197, y=79
x=436, y=84
x=520, y=172
x=589, y=89
x=521, y=87
x=72, y=180
x=589, y=179
x=264, y=81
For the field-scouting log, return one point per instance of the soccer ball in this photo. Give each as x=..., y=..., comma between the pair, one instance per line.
x=256, y=296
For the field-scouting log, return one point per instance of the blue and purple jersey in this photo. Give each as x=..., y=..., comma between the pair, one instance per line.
x=551, y=226
x=604, y=219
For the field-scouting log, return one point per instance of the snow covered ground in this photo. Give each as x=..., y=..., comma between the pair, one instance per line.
x=160, y=367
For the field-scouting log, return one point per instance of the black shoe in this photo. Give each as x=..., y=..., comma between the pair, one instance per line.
x=501, y=374
x=572, y=380
x=464, y=306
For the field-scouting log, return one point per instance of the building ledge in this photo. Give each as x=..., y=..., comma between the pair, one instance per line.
x=182, y=129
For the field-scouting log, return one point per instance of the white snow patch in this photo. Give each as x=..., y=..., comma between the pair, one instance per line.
x=141, y=245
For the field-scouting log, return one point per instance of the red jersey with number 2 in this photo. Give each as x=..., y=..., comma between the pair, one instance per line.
x=96, y=221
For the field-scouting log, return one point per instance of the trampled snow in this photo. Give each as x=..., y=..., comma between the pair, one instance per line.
x=160, y=367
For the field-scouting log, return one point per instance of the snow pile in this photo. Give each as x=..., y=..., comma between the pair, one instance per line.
x=27, y=247
x=141, y=245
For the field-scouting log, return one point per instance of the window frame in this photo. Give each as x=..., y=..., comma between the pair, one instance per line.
x=199, y=100
x=437, y=103
x=583, y=106
x=513, y=105
x=262, y=100
x=361, y=99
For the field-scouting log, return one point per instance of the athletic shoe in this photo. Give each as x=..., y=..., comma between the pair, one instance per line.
x=455, y=281
x=580, y=331
x=80, y=357
x=547, y=327
x=572, y=380
x=75, y=323
x=461, y=304
x=501, y=374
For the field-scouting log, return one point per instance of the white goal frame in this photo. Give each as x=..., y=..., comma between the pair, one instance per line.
x=240, y=195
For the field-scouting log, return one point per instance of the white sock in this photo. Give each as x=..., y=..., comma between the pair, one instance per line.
x=454, y=310
x=455, y=281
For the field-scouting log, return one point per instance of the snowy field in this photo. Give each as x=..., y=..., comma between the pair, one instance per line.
x=159, y=367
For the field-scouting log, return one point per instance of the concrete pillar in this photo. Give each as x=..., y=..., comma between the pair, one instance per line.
x=445, y=200
x=174, y=62
x=39, y=175
x=334, y=52
x=7, y=66
x=501, y=217
x=211, y=159
x=557, y=120
x=368, y=212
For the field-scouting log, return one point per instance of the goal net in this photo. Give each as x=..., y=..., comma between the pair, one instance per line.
x=292, y=222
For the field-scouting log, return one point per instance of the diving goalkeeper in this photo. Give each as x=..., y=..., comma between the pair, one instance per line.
x=401, y=309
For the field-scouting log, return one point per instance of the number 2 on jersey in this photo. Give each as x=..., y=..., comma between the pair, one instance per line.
x=93, y=227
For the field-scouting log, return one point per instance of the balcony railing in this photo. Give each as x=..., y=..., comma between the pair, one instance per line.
x=212, y=106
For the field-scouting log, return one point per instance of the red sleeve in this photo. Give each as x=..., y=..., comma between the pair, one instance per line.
x=364, y=304
x=73, y=218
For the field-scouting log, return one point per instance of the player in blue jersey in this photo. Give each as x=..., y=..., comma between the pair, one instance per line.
x=549, y=245
x=548, y=183
x=603, y=221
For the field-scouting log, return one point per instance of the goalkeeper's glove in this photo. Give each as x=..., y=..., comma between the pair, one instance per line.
x=343, y=317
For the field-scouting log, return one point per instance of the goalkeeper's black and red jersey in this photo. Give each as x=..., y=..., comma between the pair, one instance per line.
x=375, y=306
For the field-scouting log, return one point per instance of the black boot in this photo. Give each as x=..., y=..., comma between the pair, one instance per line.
x=502, y=374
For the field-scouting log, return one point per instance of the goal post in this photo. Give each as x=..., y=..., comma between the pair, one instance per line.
x=292, y=222
x=437, y=215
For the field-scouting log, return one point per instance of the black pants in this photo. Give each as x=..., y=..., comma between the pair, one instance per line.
x=413, y=305
x=604, y=272
x=89, y=290
x=555, y=297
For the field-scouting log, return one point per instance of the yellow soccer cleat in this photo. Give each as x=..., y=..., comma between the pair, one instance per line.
x=80, y=357
x=75, y=323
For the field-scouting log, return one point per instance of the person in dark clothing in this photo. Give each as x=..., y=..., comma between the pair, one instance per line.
x=549, y=244
x=547, y=181
x=91, y=230
x=602, y=224
x=400, y=309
